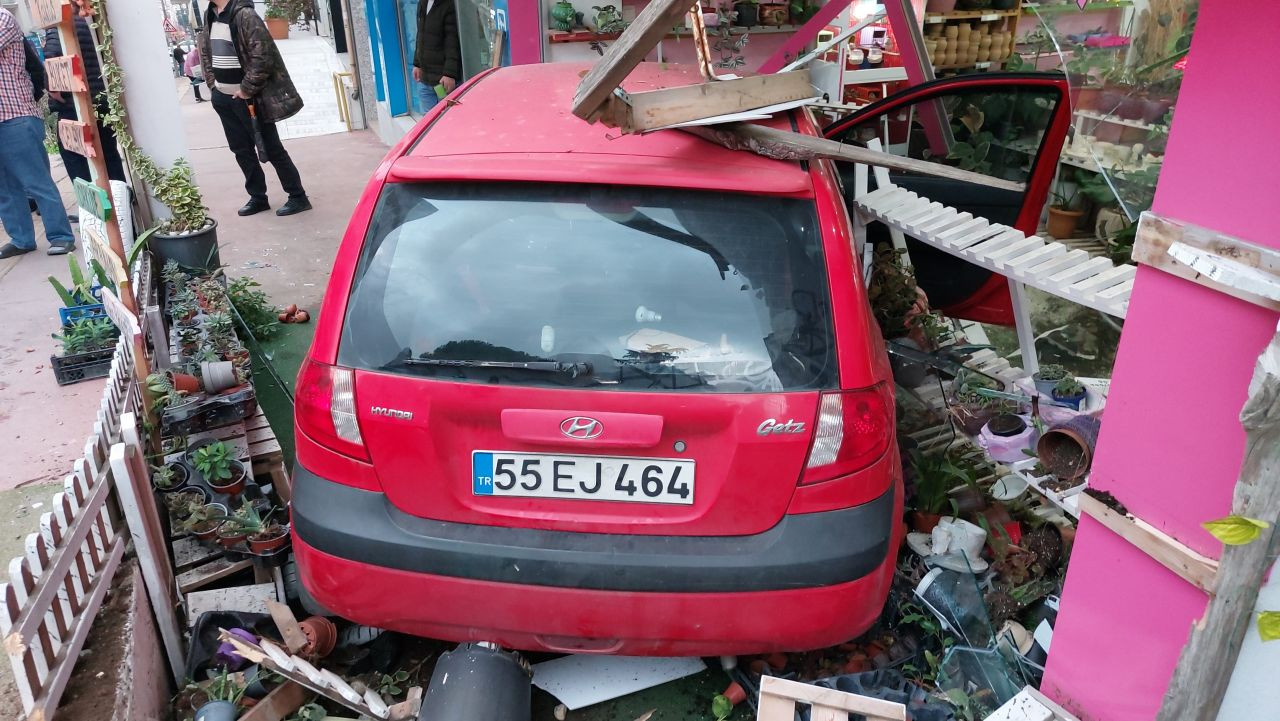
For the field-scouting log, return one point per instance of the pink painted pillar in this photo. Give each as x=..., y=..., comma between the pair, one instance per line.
x=525, y=25
x=1171, y=441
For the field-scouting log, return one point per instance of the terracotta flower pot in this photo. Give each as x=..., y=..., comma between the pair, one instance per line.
x=1086, y=98
x=940, y=6
x=1108, y=132
x=235, y=485
x=229, y=535
x=260, y=544
x=278, y=27
x=186, y=383
x=321, y=635
x=923, y=522
x=1066, y=450
x=1062, y=223
x=735, y=693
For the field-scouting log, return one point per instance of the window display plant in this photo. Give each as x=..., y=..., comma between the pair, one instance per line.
x=1048, y=376
x=217, y=464
x=1069, y=392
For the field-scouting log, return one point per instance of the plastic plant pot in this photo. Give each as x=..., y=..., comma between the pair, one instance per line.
x=217, y=711
x=181, y=476
x=1073, y=401
x=748, y=14
x=1006, y=436
x=1062, y=222
x=208, y=530
x=1067, y=450
x=232, y=486
x=218, y=376
x=266, y=543
x=229, y=535
x=321, y=635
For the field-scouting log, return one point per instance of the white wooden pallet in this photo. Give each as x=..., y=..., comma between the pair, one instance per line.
x=1052, y=267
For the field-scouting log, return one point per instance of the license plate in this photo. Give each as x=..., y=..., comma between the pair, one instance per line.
x=588, y=478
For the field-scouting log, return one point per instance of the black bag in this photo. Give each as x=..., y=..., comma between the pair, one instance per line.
x=35, y=68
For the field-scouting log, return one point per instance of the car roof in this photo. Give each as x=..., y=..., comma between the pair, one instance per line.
x=509, y=123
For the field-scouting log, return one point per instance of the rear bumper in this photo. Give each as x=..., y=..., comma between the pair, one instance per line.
x=812, y=580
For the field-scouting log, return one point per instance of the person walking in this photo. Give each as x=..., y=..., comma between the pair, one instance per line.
x=194, y=70
x=65, y=108
x=251, y=90
x=24, y=164
x=437, y=56
x=178, y=58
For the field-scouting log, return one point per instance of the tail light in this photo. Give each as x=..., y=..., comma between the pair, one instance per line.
x=854, y=429
x=324, y=407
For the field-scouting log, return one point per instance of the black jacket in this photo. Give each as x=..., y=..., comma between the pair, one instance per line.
x=438, y=51
x=266, y=79
x=53, y=49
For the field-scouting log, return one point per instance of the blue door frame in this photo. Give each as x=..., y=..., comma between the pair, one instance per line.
x=389, y=68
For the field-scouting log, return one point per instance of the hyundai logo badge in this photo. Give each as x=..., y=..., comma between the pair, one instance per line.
x=581, y=428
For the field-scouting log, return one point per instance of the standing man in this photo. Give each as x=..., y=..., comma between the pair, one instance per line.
x=65, y=107
x=179, y=55
x=194, y=70
x=24, y=165
x=251, y=87
x=437, y=58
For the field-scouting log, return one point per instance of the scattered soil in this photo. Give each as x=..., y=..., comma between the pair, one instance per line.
x=91, y=691
x=1045, y=542
x=1061, y=485
x=1001, y=606
x=1107, y=500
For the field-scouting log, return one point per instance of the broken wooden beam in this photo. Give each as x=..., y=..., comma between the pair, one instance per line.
x=1193, y=567
x=649, y=27
x=786, y=145
x=1158, y=237
x=653, y=109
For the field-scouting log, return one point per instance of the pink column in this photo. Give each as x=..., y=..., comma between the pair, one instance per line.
x=526, y=31
x=1171, y=442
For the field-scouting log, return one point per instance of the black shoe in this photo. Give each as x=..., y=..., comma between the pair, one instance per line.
x=60, y=248
x=10, y=250
x=201, y=100
x=253, y=206
x=295, y=205
x=73, y=218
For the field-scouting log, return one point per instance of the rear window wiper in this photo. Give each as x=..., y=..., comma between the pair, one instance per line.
x=573, y=370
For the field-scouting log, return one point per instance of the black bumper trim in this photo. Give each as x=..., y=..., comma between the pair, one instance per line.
x=801, y=551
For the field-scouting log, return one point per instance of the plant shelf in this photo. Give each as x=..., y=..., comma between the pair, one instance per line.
x=979, y=15
x=587, y=36
x=1067, y=7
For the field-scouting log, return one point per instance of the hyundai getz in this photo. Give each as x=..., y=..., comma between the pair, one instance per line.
x=579, y=391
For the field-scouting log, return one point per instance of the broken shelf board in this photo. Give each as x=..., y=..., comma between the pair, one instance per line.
x=248, y=599
x=585, y=679
x=216, y=570
x=1198, y=570
x=662, y=108
x=778, y=699
x=1157, y=235
x=189, y=553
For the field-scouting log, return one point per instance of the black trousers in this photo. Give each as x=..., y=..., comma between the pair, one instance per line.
x=237, y=125
x=76, y=164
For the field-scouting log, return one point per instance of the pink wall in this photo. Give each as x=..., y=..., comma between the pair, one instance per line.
x=1171, y=444
x=525, y=23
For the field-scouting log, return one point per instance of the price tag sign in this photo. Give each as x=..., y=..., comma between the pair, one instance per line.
x=125, y=320
x=101, y=252
x=78, y=138
x=88, y=195
x=65, y=74
x=48, y=12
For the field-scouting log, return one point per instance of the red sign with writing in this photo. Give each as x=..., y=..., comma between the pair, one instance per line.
x=66, y=74
x=76, y=137
x=48, y=12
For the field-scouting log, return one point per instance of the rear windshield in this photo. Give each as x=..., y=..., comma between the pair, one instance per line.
x=608, y=287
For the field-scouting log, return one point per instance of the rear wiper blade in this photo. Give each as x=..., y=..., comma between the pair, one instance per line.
x=573, y=370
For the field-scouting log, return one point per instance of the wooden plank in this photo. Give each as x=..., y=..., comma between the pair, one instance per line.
x=1194, y=568
x=216, y=570
x=280, y=703
x=786, y=145
x=298, y=670
x=670, y=106
x=873, y=708
x=189, y=553
x=650, y=25
x=49, y=12
x=290, y=631
x=1157, y=234
x=1204, y=668
x=250, y=599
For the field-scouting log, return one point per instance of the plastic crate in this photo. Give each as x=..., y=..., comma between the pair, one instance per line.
x=82, y=366
x=81, y=312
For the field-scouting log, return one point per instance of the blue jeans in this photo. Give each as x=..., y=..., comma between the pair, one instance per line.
x=427, y=97
x=24, y=173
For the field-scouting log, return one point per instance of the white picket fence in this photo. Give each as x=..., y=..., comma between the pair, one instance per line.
x=57, y=585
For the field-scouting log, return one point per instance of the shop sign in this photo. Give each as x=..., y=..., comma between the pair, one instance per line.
x=78, y=138
x=65, y=75
x=92, y=198
x=124, y=319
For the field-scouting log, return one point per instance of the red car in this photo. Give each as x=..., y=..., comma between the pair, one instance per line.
x=577, y=391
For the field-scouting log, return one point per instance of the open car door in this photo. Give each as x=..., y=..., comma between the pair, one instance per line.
x=1009, y=126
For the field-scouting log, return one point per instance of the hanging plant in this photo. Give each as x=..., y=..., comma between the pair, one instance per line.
x=175, y=187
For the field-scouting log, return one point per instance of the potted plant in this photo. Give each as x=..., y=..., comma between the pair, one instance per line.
x=88, y=345
x=218, y=466
x=203, y=522
x=729, y=46
x=773, y=13
x=78, y=300
x=224, y=695
x=169, y=478
x=1048, y=376
x=748, y=13
x=280, y=15
x=1070, y=392
x=933, y=479
x=1063, y=215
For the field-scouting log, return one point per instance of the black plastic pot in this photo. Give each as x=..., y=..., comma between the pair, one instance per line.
x=748, y=14
x=485, y=684
x=196, y=251
x=1007, y=425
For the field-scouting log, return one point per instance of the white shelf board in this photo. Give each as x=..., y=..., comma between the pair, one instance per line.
x=874, y=75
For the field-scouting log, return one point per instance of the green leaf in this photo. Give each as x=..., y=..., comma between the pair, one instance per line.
x=1269, y=625
x=721, y=706
x=1235, y=530
x=67, y=300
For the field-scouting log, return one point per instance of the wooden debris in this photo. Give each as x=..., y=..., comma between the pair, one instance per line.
x=652, y=109
x=653, y=22
x=1157, y=235
x=280, y=703
x=778, y=699
x=785, y=145
x=294, y=638
x=1191, y=566
x=215, y=570
x=249, y=599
